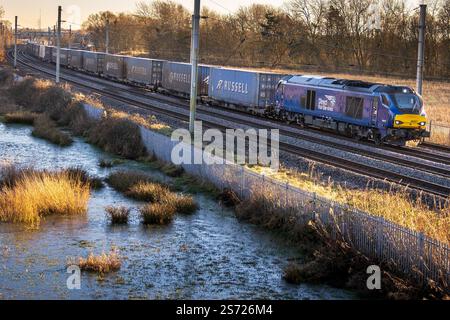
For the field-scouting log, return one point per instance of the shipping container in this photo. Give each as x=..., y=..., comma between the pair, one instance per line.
x=114, y=66
x=63, y=56
x=176, y=77
x=76, y=59
x=144, y=71
x=243, y=87
x=93, y=62
x=42, y=52
x=36, y=50
x=48, y=53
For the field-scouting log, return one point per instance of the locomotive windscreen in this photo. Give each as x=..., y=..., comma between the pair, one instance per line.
x=407, y=102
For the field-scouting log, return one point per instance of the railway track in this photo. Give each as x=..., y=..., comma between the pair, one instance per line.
x=314, y=155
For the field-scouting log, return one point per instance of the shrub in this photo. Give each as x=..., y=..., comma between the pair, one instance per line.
x=102, y=264
x=53, y=100
x=27, y=195
x=148, y=191
x=23, y=117
x=118, y=135
x=25, y=93
x=46, y=129
x=78, y=173
x=75, y=117
x=157, y=213
x=6, y=77
x=118, y=215
x=229, y=198
x=172, y=170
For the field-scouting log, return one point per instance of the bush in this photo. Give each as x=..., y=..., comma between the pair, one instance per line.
x=6, y=77
x=118, y=215
x=104, y=163
x=25, y=93
x=157, y=213
x=46, y=129
x=78, y=173
x=118, y=135
x=53, y=100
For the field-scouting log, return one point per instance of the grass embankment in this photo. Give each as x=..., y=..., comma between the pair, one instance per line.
x=394, y=206
x=327, y=258
x=162, y=204
x=27, y=195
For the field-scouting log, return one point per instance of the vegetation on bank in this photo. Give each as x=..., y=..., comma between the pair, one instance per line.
x=327, y=258
x=27, y=195
x=393, y=205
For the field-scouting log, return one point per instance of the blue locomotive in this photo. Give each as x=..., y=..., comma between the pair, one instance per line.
x=382, y=113
x=363, y=110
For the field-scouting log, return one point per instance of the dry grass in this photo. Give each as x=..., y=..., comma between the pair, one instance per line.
x=148, y=191
x=101, y=264
x=183, y=204
x=45, y=128
x=118, y=215
x=28, y=195
x=157, y=213
x=395, y=206
x=123, y=181
x=22, y=117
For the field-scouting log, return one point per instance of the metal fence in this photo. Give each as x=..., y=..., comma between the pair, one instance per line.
x=410, y=252
x=440, y=133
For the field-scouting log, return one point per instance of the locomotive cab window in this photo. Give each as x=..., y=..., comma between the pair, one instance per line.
x=354, y=107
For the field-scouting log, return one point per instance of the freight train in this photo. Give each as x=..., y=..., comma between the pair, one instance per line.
x=362, y=110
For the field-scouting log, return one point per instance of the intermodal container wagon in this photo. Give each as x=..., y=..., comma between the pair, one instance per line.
x=76, y=59
x=93, y=62
x=48, y=53
x=144, y=71
x=41, y=52
x=176, y=76
x=63, y=56
x=114, y=66
x=243, y=87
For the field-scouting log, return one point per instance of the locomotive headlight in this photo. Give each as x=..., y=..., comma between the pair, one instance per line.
x=422, y=124
x=398, y=122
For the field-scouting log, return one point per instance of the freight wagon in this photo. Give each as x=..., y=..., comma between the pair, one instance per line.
x=176, y=78
x=243, y=88
x=76, y=59
x=114, y=67
x=41, y=52
x=48, y=54
x=63, y=56
x=93, y=62
x=144, y=72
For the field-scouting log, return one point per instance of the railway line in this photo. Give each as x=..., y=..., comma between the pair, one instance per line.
x=140, y=99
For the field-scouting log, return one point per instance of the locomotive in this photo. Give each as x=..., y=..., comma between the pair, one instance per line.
x=362, y=110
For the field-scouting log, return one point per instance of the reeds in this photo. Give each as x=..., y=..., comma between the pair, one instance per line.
x=157, y=213
x=104, y=263
x=26, y=196
x=118, y=215
x=21, y=117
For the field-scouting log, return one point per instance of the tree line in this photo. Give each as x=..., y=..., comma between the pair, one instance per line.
x=371, y=36
x=6, y=36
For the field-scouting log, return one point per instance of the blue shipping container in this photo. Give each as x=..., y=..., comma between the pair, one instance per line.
x=243, y=87
x=176, y=77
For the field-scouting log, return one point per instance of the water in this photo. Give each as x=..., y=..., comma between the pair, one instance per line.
x=208, y=255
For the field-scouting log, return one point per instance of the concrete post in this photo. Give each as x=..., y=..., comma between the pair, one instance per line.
x=421, y=51
x=194, y=62
x=58, y=46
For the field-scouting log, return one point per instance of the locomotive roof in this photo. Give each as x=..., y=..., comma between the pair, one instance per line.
x=329, y=82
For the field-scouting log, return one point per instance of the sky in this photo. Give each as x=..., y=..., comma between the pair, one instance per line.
x=77, y=11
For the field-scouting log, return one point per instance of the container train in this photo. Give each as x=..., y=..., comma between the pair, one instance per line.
x=362, y=110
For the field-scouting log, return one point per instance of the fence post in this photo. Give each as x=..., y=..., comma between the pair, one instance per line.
x=421, y=255
x=314, y=206
x=380, y=237
x=242, y=182
x=286, y=194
